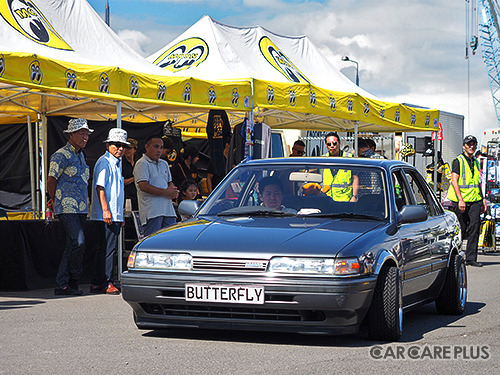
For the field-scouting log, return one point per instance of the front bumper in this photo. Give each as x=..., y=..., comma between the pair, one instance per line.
x=292, y=304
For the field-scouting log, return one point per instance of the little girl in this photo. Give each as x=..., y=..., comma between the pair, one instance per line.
x=188, y=191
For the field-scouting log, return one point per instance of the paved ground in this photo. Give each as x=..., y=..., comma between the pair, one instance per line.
x=95, y=334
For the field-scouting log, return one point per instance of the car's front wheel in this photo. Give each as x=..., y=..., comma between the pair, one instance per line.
x=385, y=316
x=453, y=296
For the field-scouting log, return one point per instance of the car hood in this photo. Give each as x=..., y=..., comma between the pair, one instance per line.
x=259, y=237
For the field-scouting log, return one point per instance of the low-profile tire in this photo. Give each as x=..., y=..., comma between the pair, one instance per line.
x=385, y=316
x=453, y=296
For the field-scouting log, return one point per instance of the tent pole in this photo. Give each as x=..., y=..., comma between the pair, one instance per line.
x=37, y=170
x=120, y=236
x=250, y=119
x=32, y=167
x=44, y=163
x=435, y=162
x=356, y=125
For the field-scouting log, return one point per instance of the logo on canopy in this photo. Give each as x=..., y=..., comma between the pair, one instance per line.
x=349, y=105
x=104, y=83
x=293, y=97
x=270, y=94
x=36, y=74
x=276, y=58
x=186, y=95
x=382, y=112
x=235, y=97
x=427, y=119
x=212, y=96
x=312, y=98
x=413, y=118
x=134, y=87
x=26, y=18
x=183, y=55
x=71, y=79
x=2, y=64
x=333, y=103
x=397, y=115
x=366, y=108
x=162, y=90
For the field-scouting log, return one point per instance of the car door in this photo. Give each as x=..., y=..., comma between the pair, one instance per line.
x=437, y=232
x=414, y=243
x=428, y=257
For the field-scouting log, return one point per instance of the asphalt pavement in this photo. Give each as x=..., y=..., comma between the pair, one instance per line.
x=94, y=334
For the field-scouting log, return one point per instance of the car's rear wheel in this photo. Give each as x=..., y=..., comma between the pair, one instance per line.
x=385, y=316
x=453, y=296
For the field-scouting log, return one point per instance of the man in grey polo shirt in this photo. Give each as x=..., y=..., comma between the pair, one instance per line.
x=155, y=189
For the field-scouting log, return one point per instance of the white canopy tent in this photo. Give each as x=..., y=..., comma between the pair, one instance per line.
x=293, y=84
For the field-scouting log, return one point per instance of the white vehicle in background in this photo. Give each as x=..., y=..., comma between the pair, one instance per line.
x=282, y=142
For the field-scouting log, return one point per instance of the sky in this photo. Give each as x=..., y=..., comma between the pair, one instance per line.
x=407, y=51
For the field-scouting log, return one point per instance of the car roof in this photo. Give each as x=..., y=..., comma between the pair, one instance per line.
x=367, y=162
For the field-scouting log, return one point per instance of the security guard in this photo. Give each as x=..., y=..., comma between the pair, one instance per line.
x=341, y=185
x=467, y=198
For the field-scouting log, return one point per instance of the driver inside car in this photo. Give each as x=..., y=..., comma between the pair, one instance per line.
x=271, y=194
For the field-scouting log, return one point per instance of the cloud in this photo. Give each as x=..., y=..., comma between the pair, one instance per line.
x=135, y=39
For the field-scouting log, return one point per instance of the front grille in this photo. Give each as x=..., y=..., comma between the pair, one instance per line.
x=247, y=313
x=229, y=264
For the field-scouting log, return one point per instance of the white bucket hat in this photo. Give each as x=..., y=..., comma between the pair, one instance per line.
x=76, y=124
x=117, y=135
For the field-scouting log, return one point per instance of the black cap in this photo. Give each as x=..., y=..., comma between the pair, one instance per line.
x=469, y=138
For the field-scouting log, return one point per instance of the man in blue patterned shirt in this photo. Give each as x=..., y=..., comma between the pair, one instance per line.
x=67, y=186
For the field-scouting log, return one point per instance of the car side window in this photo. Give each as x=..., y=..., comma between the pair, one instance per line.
x=422, y=193
x=400, y=193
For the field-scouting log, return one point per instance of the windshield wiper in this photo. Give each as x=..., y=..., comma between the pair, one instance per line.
x=345, y=215
x=254, y=211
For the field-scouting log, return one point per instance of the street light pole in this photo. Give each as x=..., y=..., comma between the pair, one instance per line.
x=346, y=58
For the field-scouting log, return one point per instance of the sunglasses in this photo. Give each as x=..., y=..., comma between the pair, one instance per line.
x=118, y=145
x=298, y=151
x=332, y=144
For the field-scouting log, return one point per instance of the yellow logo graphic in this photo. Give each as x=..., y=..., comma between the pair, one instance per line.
x=276, y=58
x=190, y=52
x=25, y=17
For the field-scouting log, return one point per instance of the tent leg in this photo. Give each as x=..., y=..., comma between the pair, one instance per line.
x=44, y=164
x=356, y=125
x=32, y=168
x=120, y=236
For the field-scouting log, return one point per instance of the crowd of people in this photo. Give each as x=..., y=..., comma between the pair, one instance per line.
x=153, y=187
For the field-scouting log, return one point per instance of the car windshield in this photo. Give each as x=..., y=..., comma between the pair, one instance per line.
x=318, y=190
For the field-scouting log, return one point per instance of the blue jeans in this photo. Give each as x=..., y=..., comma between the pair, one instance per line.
x=104, y=258
x=70, y=266
x=156, y=223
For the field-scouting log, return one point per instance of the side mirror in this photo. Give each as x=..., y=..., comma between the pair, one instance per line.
x=412, y=214
x=188, y=208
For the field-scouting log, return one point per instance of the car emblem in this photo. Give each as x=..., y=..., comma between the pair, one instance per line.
x=254, y=265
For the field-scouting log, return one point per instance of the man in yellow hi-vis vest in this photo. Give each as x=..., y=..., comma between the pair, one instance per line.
x=467, y=198
x=340, y=185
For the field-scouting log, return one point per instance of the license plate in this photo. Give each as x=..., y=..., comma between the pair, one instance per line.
x=248, y=294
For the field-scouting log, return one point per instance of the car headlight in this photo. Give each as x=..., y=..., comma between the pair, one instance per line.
x=318, y=266
x=160, y=261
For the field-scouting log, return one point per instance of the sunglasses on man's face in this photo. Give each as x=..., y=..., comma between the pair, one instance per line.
x=118, y=145
x=298, y=152
x=330, y=144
